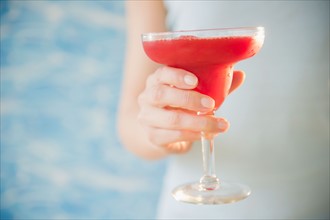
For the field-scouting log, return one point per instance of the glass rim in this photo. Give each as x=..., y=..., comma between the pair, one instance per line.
x=209, y=33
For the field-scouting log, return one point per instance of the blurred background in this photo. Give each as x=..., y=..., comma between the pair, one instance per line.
x=61, y=67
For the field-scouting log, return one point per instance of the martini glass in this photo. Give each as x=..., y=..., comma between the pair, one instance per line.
x=211, y=55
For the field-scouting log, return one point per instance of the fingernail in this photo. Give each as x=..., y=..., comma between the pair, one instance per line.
x=207, y=102
x=190, y=80
x=222, y=125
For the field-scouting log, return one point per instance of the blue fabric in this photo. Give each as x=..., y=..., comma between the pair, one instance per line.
x=61, y=68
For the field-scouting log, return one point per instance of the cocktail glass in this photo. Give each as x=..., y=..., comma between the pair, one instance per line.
x=210, y=55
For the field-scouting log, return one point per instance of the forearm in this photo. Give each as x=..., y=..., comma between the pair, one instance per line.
x=142, y=16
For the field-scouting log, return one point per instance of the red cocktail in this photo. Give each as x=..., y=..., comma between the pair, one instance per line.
x=210, y=59
x=210, y=55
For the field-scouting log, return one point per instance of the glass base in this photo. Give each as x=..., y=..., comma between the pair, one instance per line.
x=225, y=193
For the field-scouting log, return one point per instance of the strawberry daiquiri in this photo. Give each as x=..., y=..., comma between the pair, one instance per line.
x=211, y=56
x=210, y=59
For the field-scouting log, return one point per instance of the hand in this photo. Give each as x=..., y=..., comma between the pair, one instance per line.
x=168, y=107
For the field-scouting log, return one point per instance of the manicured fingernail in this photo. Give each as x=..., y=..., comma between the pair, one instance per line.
x=190, y=80
x=207, y=102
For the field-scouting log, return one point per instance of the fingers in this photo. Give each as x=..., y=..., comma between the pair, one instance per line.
x=173, y=141
x=163, y=95
x=168, y=107
x=173, y=87
x=174, y=77
x=238, y=79
x=181, y=120
x=172, y=129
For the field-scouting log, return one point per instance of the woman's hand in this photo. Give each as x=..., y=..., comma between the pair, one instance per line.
x=168, y=107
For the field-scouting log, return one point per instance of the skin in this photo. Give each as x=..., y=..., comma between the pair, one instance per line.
x=157, y=111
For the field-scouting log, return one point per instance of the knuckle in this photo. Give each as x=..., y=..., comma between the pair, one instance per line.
x=168, y=76
x=142, y=117
x=174, y=118
x=141, y=99
x=156, y=94
x=155, y=77
x=150, y=80
x=158, y=75
x=186, y=98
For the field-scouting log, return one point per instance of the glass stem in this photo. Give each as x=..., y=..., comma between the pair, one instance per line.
x=209, y=180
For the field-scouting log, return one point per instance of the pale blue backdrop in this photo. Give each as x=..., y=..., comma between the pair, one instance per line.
x=61, y=68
